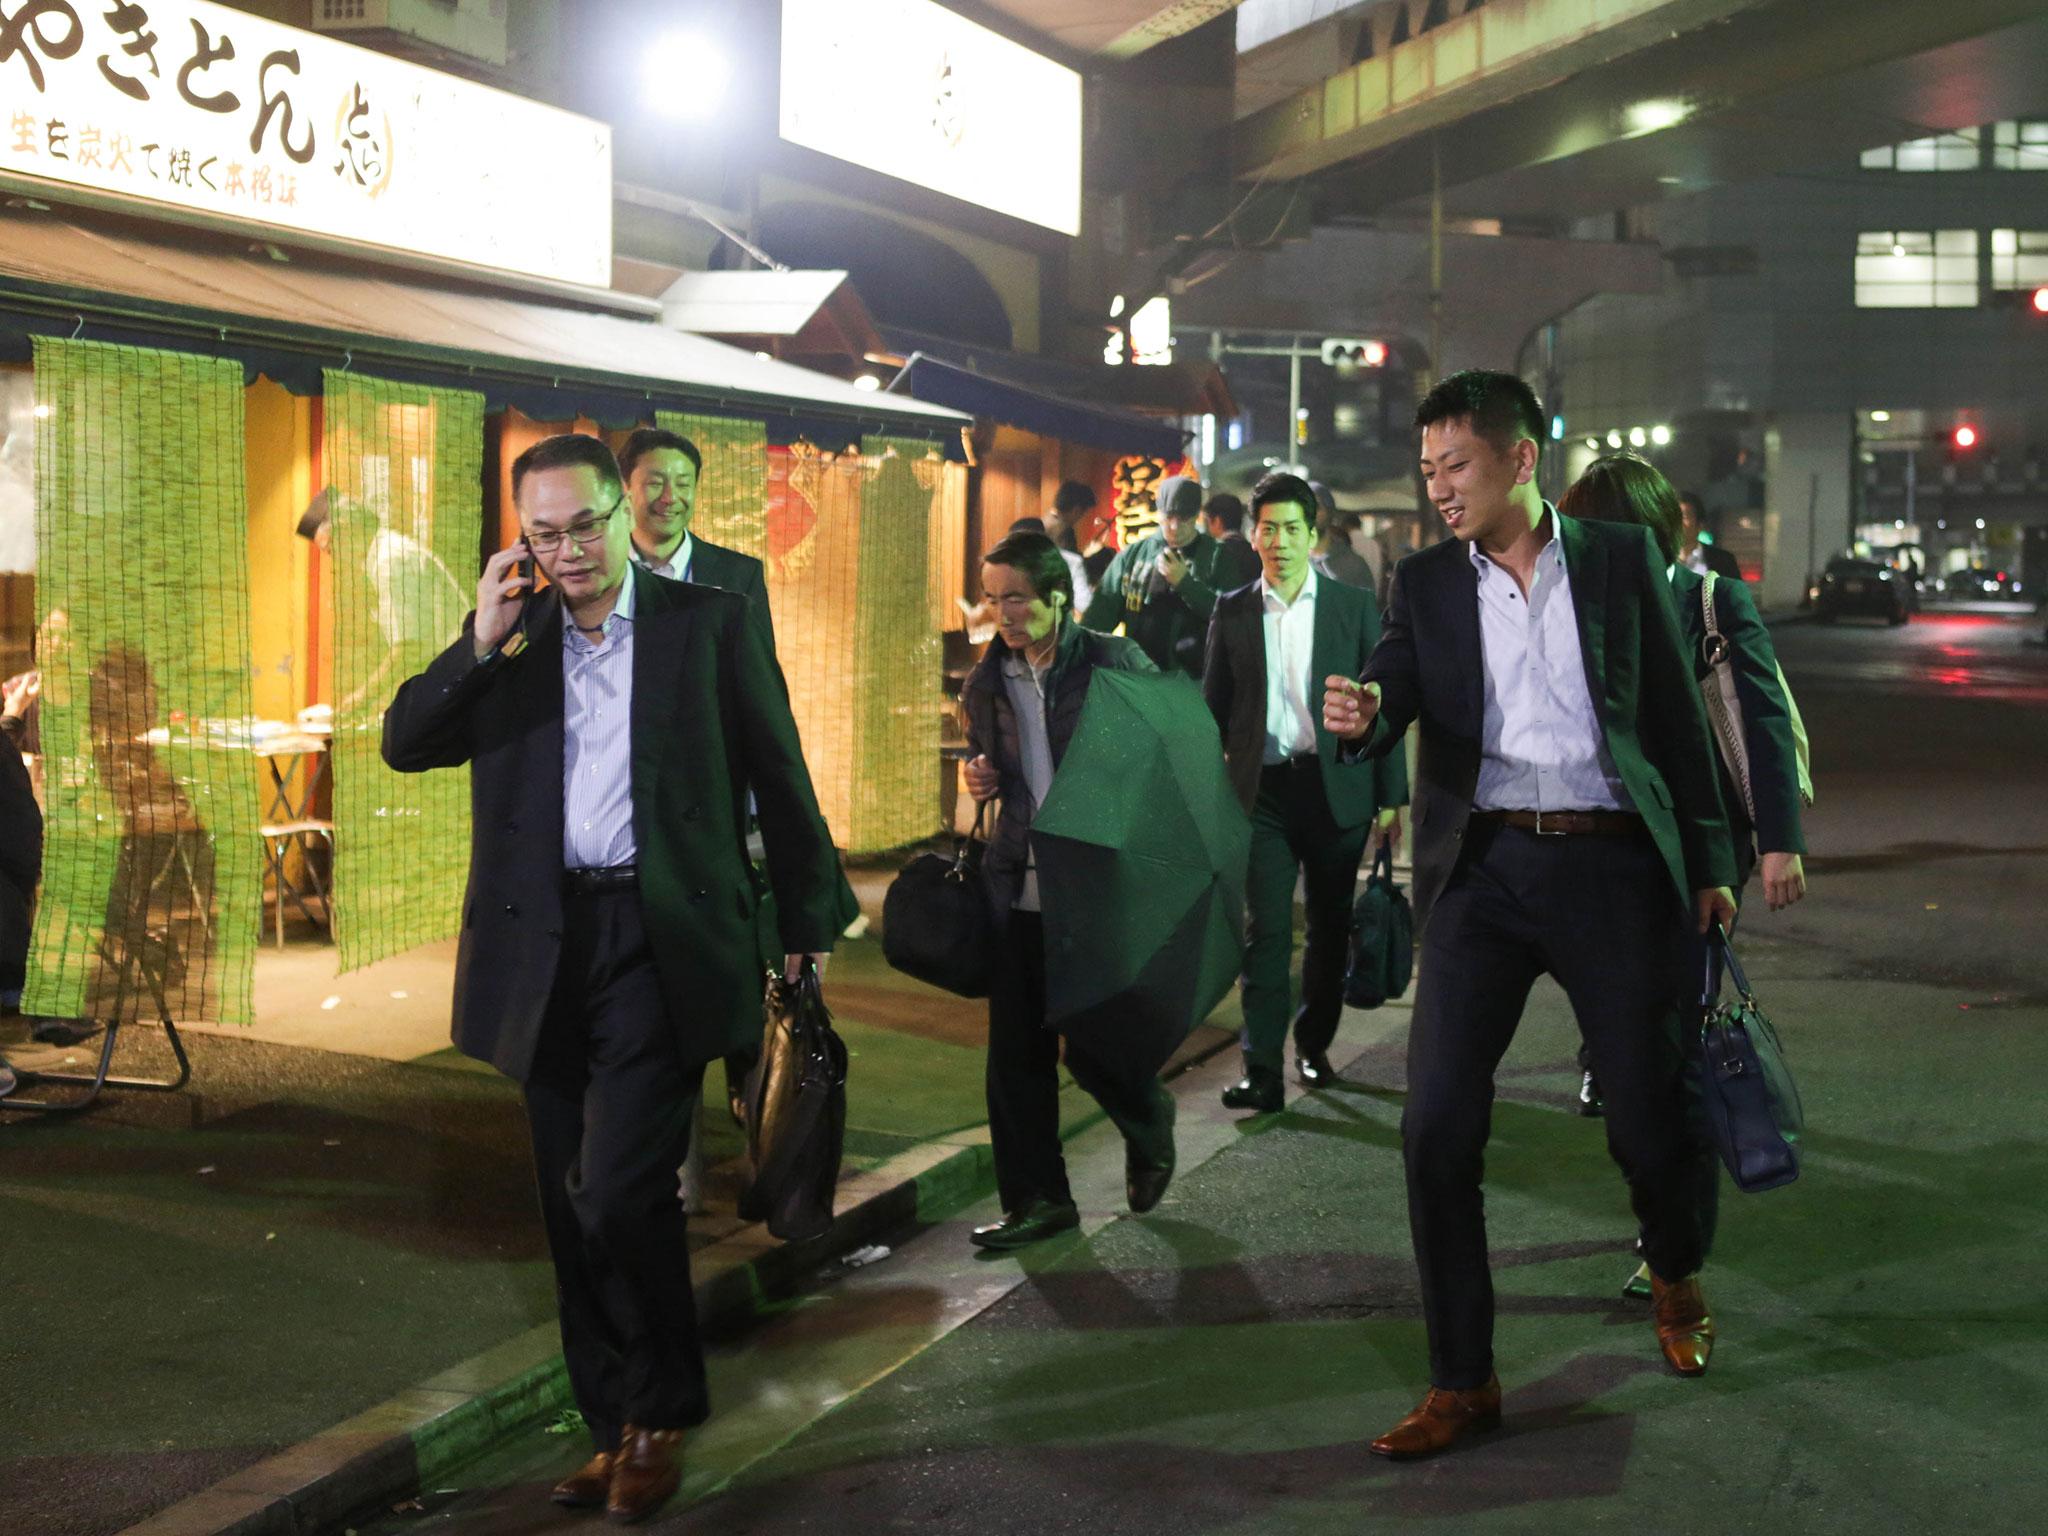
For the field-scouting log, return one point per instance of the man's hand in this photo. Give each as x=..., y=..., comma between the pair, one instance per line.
x=1349, y=706
x=982, y=779
x=1715, y=906
x=793, y=966
x=500, y=598
x=20, y=693
x=1387, y=830
x=1173, y=567
x=1784, y=879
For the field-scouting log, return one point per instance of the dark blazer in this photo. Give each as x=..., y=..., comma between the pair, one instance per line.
x=1168, y=623
x=992, y=731
x=713, y=565
x=709, y=721
x=1429, y=668
x=21, y=863
x=1347, y=626
x=1720, y=562
x=1766, y=713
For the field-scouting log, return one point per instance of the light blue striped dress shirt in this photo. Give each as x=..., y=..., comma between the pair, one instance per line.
x=597, y=743
x=1541, y=745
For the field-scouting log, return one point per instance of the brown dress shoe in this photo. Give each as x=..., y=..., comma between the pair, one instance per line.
x=645, y=1473
x=1683, y=1327
x=1445, y=1418
x=586, y=1487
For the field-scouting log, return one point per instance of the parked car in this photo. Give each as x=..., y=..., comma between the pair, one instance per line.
x=1861, y=588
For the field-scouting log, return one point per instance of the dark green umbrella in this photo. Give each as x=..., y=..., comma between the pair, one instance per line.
x=1141, y=849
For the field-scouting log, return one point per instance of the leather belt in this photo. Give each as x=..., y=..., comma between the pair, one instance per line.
x=601, y=882
x=1567, y=823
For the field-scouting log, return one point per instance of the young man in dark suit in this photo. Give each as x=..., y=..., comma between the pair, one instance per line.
x=1566, y=821
x=1270, y=645
x=613, y=725
x=662, y=470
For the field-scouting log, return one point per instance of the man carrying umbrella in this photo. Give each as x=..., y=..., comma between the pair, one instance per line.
x=1270, y=645
x=1024, y=704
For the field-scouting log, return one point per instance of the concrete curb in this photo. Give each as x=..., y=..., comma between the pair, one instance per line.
x=409, y=1441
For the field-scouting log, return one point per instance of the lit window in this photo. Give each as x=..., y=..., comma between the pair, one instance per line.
x=1956, y=151
x=2021, y=146
x=1916, y=269
x=2019, y=259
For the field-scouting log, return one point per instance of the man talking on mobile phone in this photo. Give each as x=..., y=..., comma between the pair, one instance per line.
x=613, y=724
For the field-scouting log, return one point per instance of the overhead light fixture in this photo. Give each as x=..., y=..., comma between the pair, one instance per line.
x=684, y=75
x=868, y=382
x=1614, y=439
x=1661, y=436
x=1638, y=438
x=1656, y=115
x=1898, y=249
x=764, y=357
x=1593, y=443
x=1880, y=417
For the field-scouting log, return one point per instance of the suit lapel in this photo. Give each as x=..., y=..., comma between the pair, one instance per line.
x=1586, y=564
x=1468, y=662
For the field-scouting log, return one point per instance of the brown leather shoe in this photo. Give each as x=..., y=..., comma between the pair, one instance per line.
x=1683, y=1327
x=1445, y=1418
x=586, y=1487
x=645, y=1473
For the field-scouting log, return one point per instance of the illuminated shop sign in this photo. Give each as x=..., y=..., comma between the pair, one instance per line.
x=214, y=111
x=907, y=88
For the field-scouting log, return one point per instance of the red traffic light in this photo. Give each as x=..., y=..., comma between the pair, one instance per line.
x=1965, y=436
x=2040, y=301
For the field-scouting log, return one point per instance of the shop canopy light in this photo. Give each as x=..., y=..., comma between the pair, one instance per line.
x=1655, y=116
x=684, y=75
x=868, y=382
x=1661, y=436
x=1614, y=439
x=1880, y=417
x=1638, y=438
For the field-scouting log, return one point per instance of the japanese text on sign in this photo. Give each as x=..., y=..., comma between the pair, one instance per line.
x=212, y=110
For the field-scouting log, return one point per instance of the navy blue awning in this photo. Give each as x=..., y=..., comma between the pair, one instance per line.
x=936, y=382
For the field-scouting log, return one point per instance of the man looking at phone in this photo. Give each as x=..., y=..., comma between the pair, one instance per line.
x=614, y=723
x=1163, y=587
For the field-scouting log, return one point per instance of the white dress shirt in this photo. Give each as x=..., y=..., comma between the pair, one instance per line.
x=1025, y=685
x=677, y=566
x=1290, y=643
x=597, y=743
x=1541, y=746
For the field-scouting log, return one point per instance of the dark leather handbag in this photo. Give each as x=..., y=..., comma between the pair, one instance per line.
x=1382, y=938
x=935, y=918
x=1751, y=1104
x=796, y=1112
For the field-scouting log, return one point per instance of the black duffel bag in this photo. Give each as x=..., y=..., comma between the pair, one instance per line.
x=1382, y=938
x=1750, y=1103
x=796, y=1112
x=935, y=918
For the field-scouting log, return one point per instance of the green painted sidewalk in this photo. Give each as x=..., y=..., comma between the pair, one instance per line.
x=194, y=1283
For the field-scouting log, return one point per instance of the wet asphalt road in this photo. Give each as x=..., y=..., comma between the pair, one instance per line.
x=1219, y=1366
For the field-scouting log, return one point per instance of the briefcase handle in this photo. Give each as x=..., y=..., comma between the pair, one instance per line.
x=1721, y=952
x=959, y=871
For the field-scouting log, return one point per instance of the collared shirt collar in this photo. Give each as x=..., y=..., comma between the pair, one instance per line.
x=622, y=611
x=1270, y=600
x=1554, y=549
x=678, y=561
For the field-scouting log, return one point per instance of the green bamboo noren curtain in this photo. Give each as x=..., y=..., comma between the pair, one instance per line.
x=732, y=488
x=898, y=693
x=152, y=866
x=404, y=467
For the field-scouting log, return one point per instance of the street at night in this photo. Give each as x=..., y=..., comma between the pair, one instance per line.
x=1220, y=1365
x=815, y=766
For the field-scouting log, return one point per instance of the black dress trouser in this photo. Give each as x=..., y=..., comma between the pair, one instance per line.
x=609, y=1101
x=1597, y=913
x=1294, y=836
x=1023, y=1075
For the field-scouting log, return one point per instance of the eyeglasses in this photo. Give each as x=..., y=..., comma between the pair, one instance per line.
x=583, y=533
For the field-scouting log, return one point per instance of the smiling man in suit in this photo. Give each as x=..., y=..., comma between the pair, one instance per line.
x=613, y=725
x=1566, y=821
x=1270, y=645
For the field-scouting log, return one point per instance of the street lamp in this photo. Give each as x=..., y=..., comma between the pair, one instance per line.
x=684, y=75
